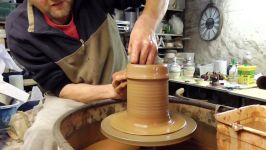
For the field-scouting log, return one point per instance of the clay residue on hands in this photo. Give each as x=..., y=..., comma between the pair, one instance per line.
x=120, y=83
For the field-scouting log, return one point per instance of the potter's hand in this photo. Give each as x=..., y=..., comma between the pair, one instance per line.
x=119, y=84
x=143, y=48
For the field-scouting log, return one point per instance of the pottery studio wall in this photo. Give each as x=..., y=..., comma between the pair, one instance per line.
x=244, y=29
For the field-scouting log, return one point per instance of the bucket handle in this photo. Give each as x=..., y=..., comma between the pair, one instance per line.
x=237, y=127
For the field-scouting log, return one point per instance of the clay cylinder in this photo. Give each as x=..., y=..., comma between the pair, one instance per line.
x=147, y=97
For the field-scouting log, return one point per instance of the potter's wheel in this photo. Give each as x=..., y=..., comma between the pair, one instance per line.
x=122, y=122
x=149, y=140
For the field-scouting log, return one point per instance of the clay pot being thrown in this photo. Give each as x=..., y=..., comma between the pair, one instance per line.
x=147, y=103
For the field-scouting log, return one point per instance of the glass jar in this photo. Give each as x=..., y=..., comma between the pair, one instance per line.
x=174, y=70
x=189, y=68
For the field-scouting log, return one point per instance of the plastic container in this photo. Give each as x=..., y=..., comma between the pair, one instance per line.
x=220, y=66
x=6, y=112
x=233, y=73
x=203, y=69
x=242, y=129
x=246, y=74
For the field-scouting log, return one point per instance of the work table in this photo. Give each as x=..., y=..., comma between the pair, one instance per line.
x=244, y=95
x=252, y=93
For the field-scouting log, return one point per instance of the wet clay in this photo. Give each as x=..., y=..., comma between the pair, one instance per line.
x=147, y=94
x=147, y=120
x=108, y=144
x=150, y=140
x=87, y=135
x=147, y=103
x=204, y=138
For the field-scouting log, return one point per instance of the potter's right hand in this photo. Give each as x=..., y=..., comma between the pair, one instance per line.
x=119, y=84
x=143, y=47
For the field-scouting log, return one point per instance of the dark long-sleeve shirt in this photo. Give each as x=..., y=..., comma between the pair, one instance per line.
x=57, y=59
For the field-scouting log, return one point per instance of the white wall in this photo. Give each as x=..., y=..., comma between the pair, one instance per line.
x=244, y=29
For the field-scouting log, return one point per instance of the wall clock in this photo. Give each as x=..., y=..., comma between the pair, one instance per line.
x=210, y=23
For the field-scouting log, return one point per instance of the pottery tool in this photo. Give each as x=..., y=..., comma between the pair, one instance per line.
x=238, y=127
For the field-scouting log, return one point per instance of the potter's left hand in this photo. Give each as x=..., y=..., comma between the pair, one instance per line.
x=119, y=84
x=143, y=47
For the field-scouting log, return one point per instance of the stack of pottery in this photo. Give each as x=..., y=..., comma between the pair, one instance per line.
x=169, y=56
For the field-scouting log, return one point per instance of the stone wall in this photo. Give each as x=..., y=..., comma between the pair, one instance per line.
x=244, y=29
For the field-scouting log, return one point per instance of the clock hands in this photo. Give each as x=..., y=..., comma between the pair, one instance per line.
x=210, y=13
x=208, y=34
x=205, y=17
x=214, y=14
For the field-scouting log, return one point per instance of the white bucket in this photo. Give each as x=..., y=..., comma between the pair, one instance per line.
x=220, y=66
x=203, y=69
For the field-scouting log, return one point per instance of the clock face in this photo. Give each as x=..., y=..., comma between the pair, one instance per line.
x=210, y=23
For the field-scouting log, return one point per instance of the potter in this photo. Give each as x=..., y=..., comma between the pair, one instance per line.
x=73, y=48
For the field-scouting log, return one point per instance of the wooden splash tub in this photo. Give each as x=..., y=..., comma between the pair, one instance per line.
x=80, y=128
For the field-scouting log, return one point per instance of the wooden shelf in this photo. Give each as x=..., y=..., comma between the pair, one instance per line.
x=175, y=10
x=168, y=9
x=163, y=34
x=160, y=34
x=166, y=48
x=124, y=33
x=29, y=82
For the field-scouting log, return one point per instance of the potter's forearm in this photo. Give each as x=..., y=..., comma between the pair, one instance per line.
x=86, y=93
x=155, y=9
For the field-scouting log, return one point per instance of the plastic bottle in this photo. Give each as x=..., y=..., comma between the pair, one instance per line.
x=232, y=77
x=247, y=59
